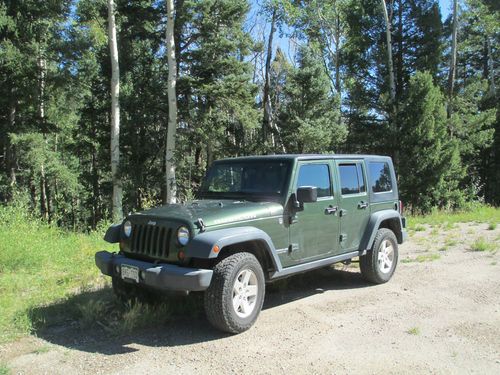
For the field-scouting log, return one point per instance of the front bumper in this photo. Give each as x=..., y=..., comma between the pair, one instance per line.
x=166, y=277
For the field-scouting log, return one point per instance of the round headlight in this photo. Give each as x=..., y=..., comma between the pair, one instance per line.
x=183, y=236
x=127, y=228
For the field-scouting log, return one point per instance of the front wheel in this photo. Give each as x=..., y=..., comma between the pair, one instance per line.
x=235, y=296
x=379, y=263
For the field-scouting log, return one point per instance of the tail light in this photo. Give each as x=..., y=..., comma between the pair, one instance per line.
x=400, y=207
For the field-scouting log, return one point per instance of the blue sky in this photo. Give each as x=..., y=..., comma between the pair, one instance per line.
x=445, y=6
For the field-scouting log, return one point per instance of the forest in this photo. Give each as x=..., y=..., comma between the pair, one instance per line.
x=109, y=107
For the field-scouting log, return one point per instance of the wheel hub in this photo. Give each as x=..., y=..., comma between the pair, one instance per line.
x=385, y=256
x=245, y=291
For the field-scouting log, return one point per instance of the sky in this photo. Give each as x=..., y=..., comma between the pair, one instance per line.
x=445, y=6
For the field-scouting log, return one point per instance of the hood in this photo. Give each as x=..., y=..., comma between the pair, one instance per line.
x=215, y=212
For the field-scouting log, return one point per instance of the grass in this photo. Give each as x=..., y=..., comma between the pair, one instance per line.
x=477, y=213
x=41, y=350
x=415, y=331
x=39, y=265
x=4, y=370
x=492, y=226
x=482, y=245
x=422, y=258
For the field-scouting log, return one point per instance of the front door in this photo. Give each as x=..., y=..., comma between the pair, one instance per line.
x=314, y=232
x=354, y=203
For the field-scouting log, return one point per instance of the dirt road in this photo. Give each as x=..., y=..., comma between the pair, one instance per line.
x=439, y=314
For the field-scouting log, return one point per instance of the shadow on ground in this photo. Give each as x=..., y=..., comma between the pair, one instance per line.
x=61, y=323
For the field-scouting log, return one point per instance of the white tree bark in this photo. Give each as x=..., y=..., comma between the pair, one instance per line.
x=390, y=65
x=115, y=115
x=171, y=184
x=453, y=57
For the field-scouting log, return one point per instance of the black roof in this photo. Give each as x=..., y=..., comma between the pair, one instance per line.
x=306, y=157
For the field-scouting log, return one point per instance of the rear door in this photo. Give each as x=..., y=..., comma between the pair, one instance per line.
x=314, y=232
x=354, y=204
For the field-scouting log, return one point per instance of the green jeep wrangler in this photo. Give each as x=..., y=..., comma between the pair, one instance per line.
x=258, y=219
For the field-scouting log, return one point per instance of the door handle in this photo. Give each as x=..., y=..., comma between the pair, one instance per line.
x=330, y=210
x=362, y=205
x=342, y=213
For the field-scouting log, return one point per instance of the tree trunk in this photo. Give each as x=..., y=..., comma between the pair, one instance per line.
x=399, y=67
x=10, y=154
x=42, y=69
x=491, y=69
x=337, y=59
x=43, y=194
x=267, y=120
x=115, y=115
x=171, y=185
x=390, y=65
x=453, y=57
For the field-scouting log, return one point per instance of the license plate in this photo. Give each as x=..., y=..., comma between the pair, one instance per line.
x=130, y=272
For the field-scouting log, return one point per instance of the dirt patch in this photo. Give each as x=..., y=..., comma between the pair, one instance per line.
x=439, y=314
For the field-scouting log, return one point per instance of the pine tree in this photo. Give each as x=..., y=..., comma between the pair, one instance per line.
x=310, y=119
x=430, y=167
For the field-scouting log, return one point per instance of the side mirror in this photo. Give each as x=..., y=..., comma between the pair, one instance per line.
x=307, y=194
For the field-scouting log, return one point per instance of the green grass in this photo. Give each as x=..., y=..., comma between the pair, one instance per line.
x=418, y=228
x=415, y=331
x=4, y=370
x=39, y=265
x=422, y=258
x=492, y=226
x=41, y=350
x=477, y=213
x=482, y=245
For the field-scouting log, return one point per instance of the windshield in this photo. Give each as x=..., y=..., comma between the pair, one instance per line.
x=246, y=178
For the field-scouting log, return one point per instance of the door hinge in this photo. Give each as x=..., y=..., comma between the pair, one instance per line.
x=293, y=247
x=343, y=237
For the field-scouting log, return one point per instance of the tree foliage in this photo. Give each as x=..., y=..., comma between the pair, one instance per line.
x=328, y=89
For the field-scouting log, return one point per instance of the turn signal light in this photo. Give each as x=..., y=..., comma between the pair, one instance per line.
x=216, y=249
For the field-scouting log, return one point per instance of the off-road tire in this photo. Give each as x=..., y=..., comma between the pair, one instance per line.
x=219, y=296
x=130, y=293
x=369, y=265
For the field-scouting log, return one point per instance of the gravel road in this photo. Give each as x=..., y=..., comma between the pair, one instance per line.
x=439, y=314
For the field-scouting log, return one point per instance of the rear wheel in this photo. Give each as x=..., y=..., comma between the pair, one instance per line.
x=236, y=294
x=379, y=263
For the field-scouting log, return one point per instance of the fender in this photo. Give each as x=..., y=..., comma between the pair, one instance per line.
x=201, y=246
x=113, y=233
x=374, y=223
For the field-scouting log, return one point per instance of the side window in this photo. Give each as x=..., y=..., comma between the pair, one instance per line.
x=380, y=177
x=352, y=179
x=316, y=175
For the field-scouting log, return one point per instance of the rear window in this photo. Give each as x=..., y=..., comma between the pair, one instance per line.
x=380, y=177
x=352, y=180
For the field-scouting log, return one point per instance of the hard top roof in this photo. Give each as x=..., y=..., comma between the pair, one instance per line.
x=305, y=157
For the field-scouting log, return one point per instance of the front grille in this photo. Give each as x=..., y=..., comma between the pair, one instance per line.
x=150, y=240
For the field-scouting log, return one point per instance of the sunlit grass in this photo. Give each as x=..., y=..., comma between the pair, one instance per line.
x=40, y=264
x=476, y=213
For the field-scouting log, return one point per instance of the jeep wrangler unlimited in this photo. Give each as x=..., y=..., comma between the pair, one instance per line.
x=258, y=219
